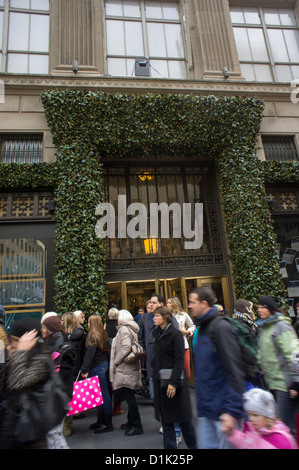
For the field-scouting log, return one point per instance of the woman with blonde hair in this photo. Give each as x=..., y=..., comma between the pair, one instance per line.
x=96, y=363
x=74, y=336
x=186, y=327
x=111, y=324
x=69, y=323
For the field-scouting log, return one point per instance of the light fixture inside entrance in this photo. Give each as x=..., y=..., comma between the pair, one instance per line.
x=146, y=176
x=151, y=246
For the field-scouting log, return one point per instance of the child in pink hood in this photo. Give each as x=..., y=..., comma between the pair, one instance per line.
x=262, y=430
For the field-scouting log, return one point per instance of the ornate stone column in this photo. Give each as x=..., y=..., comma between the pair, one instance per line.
x=212, y=39
x=77, y=34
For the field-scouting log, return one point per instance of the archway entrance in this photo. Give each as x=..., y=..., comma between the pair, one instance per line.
x=88, y=126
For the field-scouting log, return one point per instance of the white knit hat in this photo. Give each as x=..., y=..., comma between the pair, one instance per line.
x=47, y=315
x=261, y=402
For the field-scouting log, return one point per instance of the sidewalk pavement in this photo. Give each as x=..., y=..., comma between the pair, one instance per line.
x=83, y=438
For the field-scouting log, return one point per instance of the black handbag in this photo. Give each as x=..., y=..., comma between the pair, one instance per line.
x=40, y=409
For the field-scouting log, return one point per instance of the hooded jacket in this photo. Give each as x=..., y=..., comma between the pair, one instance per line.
x=278, y=437
x=122, y=374
x=219, y=370
x=277, y=340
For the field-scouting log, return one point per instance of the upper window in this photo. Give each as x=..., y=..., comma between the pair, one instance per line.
x=144, y=29
x=267, y=41
x=24, y=36
x=279, y=148
x=21, y=148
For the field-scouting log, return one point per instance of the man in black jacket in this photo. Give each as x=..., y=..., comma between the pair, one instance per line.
x=145, y=334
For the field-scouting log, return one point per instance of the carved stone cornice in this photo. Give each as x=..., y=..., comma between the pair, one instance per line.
x=29, y=83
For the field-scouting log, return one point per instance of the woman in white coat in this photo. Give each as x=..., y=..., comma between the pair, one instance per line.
x=126, y=378
x=186, y=327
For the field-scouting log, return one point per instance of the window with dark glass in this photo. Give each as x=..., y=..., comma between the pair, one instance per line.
x=168, y=184
x=279, y=148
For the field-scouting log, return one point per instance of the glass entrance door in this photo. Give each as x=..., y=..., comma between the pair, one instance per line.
x=131, y=294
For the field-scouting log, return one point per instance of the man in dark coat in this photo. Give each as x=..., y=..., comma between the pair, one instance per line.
x=219, y=371
x=145, y=334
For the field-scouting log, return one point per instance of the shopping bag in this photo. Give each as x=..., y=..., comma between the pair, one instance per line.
x=86, y=395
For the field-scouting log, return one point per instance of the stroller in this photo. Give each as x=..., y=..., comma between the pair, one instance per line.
x=144, y=391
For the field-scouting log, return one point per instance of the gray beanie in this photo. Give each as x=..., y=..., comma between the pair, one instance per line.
x=261, y=402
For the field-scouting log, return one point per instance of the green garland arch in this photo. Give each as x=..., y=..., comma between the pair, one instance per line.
x=86, y=125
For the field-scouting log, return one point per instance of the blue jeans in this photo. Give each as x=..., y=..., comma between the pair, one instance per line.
x=100, y=371
x=151, y=388
x=188, y=431
x=177, y=429
x=210, y=435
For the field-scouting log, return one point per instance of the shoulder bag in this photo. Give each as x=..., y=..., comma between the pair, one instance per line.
x=40, y=409
x=136, y=352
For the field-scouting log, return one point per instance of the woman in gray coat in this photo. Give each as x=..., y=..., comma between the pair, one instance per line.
x=126, y=378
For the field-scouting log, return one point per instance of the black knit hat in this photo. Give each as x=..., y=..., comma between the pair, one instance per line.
x=268, y=302
x=24, y=325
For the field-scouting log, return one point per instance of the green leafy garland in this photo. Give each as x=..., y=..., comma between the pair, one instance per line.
x=87, y=125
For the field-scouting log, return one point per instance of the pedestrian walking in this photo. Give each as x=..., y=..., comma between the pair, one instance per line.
x=140, y=312
x=96, y=363
x=126, y=377
x=277, y=345
x=27, y=410
x=111, y=326
x=64, y=359
x=145, y=335
x=219, y=370
x=171, y=400
x=74, y=335
x=245, y=315
x=262, y=430
x=186, y=327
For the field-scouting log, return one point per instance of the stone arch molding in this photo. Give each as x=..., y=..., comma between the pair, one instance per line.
x=88, y=125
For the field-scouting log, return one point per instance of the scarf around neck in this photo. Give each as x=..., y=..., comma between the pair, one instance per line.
x=246, y=319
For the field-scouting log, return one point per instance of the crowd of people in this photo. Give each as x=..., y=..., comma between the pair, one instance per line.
x=234, y=409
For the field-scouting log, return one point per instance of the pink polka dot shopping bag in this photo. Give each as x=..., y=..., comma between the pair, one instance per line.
x=86, y=395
